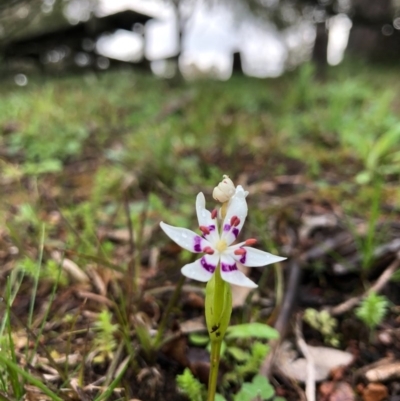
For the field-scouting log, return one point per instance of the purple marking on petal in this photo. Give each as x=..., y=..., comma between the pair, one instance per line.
x=211, y=228
x=197, y=242
x=243, y=259
x=235, y=232
x=227, y=227
x=228, y=268
x=209, y=267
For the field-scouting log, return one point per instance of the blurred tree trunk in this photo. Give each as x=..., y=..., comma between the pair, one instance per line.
x=320, y=51
x=373, y=36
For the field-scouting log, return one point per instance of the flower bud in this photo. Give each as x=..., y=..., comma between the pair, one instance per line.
x=224, y=190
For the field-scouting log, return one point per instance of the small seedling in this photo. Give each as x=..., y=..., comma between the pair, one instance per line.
x=372, y=310
x=324, y=323
x=105, y=342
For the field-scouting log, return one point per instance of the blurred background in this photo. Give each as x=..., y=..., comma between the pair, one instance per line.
x=205, y=38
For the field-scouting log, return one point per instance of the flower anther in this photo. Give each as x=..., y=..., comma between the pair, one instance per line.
x=205, y=230
x=240, y=251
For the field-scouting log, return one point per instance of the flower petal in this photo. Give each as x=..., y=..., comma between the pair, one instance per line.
x=238, y=278
x=237, y=207
x=204, y=218
x=254, y=257
x=231, y=274
x=185, y=238
x=202, y=269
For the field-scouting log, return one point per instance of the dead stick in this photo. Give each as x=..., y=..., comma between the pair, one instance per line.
x=377, y=287
x=281, y=324
x=310, y=380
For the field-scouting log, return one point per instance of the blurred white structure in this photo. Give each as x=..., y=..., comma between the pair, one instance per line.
x=211, y=34
x=262, y=49
x=339, y=31
x=162, y=39
x=121, y=45
x=208, y=42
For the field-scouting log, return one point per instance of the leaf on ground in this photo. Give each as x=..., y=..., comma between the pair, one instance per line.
x=193, y=325
x=375, y=392
x=239, y=295
x=70, y=267
x=325, y=360
x=238, y=354
x=336, y=391
x=383, y=372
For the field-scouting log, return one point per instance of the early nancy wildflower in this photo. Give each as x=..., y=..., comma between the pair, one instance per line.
x=219, y=230
x=217, y=236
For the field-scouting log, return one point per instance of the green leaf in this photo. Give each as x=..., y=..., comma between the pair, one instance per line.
x=259, y=387
x=254, y=330
x=363, y=178
x=199, y=340
x=238, y=354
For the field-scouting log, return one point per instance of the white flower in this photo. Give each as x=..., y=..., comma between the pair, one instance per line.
x=218, y=247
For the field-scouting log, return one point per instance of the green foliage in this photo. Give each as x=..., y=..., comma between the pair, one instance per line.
x=259, y=387
x=240, y=351
x=255, y=330
x=195, y=391
x=234, y=334
x=246, y=362
x=105, y=342
x=372, y=309
x=47, y=271
x=190, y=386
x=9, y=378
x=255, y=357
x=324, y=323
x=44, y=147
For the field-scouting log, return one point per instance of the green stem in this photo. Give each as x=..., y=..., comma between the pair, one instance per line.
x=214, y=367
x=279, y=283
x=218, y=313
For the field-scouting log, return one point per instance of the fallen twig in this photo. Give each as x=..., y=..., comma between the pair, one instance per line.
x=322, y=249
x=285, y=313
x=310, y=383
x=377, y=287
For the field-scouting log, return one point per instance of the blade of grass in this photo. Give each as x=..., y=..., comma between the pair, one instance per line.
x=28, y=377
x=11, y=300
x=41, y=346
x=46, y=314
x=36, y=279
x=16, y=384
x=115, y=382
